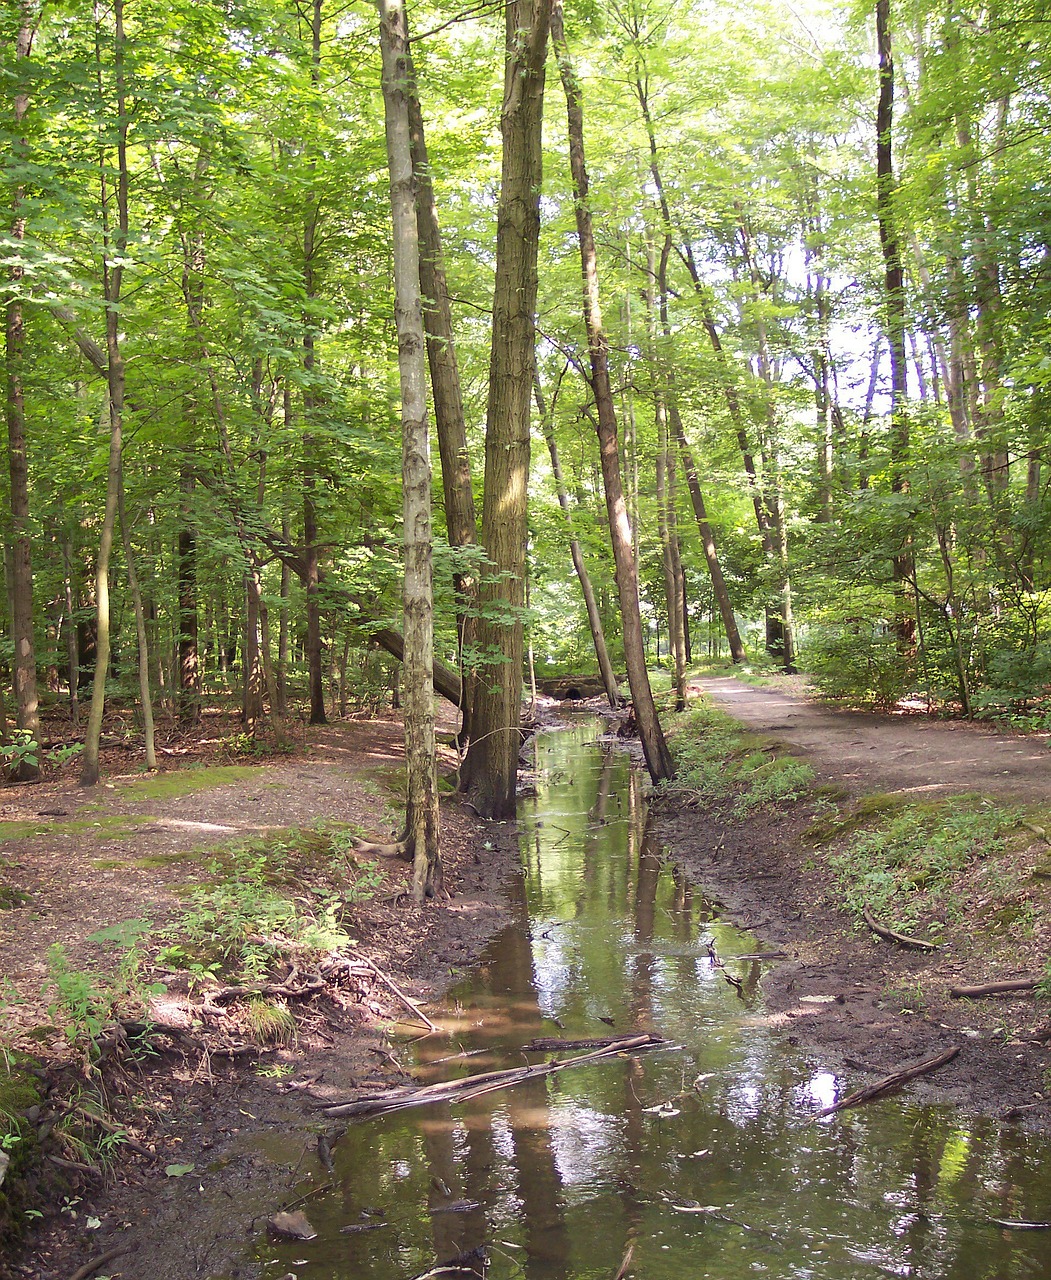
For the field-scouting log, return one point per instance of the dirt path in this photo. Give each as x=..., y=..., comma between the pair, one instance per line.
x=905, y=753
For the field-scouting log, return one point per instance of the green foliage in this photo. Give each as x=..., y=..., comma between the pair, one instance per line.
x=858, y=660
x=905, y=869
x=22, y=749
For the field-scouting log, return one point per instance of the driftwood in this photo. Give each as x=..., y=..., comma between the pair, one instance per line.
x=1011, y=1224
x=547, y=1044
x=996, y=988
x=890, y=1083
x=890, y=935
x=464, y=1089
x=622, y=1270
x=411, y=1005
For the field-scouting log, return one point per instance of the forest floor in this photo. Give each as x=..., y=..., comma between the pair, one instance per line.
x=219, y=1101
x=218, y=1091
x=865, y=1003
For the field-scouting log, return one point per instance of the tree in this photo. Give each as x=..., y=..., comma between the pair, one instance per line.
x=421, y=812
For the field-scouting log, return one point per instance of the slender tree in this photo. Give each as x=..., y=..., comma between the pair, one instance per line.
x=421, y=814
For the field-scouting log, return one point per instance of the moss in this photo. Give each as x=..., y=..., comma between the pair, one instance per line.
x=830, y=827
x=10, y=897
x=19, y=1091
x=106, y=824
x=181, y=782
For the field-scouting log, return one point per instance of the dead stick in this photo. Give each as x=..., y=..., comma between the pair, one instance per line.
x=996, y=988
x=473, y=1086
x=622, y=1270
x=89, y=1268
x=871, y=1091
x=409, y=1004
x=889, y=935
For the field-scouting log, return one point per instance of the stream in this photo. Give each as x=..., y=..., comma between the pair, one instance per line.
x=704, y=1157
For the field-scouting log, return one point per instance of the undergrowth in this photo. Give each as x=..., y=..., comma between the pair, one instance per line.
x=907, y=869
x=715, y=758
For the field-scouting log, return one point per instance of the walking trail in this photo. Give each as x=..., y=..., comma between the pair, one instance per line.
x=867, y=752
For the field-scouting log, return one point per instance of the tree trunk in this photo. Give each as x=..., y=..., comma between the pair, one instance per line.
x=27, y=714
x=490, y=767
x=145, y=701
x=72, y=645
x=189, y=696
x=669, y=553
x=421, y=810
x=115, y=240
x=598, y=636
x=658, y=757
x=460, y=524
x=894, y=309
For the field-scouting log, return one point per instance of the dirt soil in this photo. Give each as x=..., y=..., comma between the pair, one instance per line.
x=128, y=850
x=866, y=1004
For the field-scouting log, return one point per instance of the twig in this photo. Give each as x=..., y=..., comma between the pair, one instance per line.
x=622, y=1270
x=409, y=1004
x=995, y=988
x=889, y=1083
x=902, y=939
x=89, y=1268
x=548, y=1044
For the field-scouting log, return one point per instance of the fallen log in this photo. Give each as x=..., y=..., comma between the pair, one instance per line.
x=890, y=935
x=548, y=1044
x=995, y=988
x=890, y=1083
x=475, y=1086
x=89, y=1268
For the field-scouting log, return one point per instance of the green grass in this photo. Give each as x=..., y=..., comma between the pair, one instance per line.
x=715, y=759
x=181, y=782
x=105, y=825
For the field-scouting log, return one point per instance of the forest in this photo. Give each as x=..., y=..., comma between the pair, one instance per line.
x=737, y=332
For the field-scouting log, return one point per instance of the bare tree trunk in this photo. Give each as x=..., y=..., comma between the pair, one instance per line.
x=894, y=308
x=669, y=552
x=115, y=241
x=189, y=697
x=252, y=667
x=145, y=700
x=598, y=635
x=27, y=714
x=490, y=767
x=448, y=403
x=281, y=675
x=421, y=810
x=72, y=646
x=658, y=757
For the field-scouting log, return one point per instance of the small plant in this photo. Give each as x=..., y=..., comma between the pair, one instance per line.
x=21, y=749
x=270, y=1022
x=64, y=753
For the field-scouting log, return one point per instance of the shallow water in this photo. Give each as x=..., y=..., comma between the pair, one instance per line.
x=705, y=1158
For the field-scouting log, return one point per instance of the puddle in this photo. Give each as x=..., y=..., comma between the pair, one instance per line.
x=704, y=1159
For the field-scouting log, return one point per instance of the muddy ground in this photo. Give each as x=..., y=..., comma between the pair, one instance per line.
x=129, y=850
x=864, y=1003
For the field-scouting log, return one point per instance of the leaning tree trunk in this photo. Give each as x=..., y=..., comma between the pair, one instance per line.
x=490, y=768
x=658, y=757
x=421, y=811
x=27, y=714
x=446, y=393
x=598, y=635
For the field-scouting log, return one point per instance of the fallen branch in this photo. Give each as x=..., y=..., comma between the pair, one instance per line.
x=890, y=1083
x=547, y=1044
x=996, y=988
x=889, y=935
x=1010, y=1224
x=469, y=1087
x=89, y=1268
x=409, y=1004
x=622, y=1270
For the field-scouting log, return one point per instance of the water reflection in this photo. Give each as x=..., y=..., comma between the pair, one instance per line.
x=705, y=1157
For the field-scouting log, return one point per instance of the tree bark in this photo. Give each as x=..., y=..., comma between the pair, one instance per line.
x=421, y=810
x=598, y=635
x=655, y=749
x=894, y=309
x=490, y=767
x=115, y=240
x=27, y=714
x=460, y=523
x=145, y=700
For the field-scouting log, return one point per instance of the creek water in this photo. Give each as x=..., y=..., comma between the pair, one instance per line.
x=705, y=1158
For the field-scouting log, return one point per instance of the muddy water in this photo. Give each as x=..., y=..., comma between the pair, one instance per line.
x=704, y=1158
